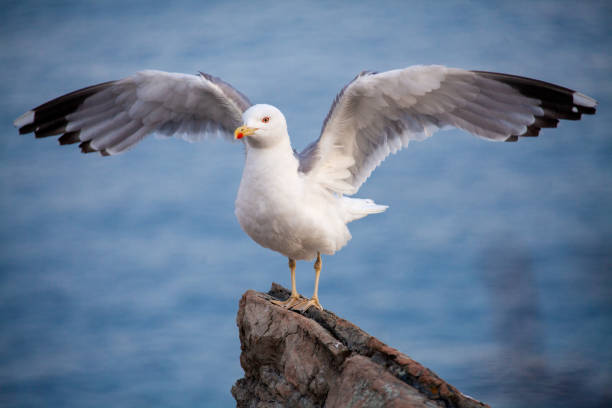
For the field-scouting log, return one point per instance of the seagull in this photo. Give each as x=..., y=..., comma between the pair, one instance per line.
x=298, y=203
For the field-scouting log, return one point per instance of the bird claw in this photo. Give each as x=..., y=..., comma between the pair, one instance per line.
x=298, y=303
x=289, y=303
x=304, y=305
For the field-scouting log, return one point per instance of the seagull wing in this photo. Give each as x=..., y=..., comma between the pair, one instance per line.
x=379, y=113
x=113, y=116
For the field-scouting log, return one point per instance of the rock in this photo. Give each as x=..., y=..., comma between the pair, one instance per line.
x=316, y=359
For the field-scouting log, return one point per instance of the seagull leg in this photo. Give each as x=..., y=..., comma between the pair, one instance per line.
x=294, y=298
x=314, y=300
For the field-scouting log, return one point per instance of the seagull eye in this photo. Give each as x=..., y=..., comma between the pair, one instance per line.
x=265, y=119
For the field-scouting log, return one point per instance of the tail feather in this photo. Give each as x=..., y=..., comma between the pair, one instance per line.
x=357, y=208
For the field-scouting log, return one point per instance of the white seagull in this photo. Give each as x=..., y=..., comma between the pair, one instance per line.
x=297, y=203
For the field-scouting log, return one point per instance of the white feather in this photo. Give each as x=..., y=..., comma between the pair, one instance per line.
x=378, y=114
x=583, y=100
x=24, y=119
x=123, y=113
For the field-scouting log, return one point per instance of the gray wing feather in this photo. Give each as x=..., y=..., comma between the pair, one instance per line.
x=377, y=114
x=113, y=116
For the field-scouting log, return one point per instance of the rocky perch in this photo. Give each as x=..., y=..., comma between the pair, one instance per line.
x=316, y=359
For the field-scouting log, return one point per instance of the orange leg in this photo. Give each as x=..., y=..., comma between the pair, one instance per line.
x=294, y=298
x=314, y=300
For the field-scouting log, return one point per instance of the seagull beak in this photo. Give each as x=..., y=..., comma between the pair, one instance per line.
x=243, y=131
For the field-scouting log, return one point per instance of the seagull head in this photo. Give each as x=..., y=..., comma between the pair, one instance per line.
x=263, y=126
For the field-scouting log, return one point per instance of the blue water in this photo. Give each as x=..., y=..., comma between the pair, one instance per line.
x=120, y=277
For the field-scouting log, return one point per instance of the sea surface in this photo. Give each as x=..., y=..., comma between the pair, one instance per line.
x=120, y=276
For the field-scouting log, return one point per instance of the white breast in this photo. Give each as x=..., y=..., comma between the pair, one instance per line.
x=279, y=210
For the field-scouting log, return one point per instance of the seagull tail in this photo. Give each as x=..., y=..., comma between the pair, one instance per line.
x=356, y=208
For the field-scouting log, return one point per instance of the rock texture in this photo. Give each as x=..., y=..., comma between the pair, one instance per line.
x=316, y=359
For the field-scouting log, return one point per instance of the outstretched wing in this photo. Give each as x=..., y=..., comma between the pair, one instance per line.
x=113, y=116
x=379, y=113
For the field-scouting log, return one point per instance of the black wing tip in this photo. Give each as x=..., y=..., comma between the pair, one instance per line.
x=25, y=129
x=532, y=131
x=49, y=119
x=587, y=110
x=86, y=147
x=69, y=138
x=52, y=128
x=557, y=102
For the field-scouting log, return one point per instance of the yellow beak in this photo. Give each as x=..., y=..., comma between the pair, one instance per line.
x=243, y=131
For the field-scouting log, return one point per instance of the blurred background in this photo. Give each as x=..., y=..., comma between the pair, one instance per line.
x=120, y=277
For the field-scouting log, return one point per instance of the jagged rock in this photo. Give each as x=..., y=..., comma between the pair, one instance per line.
x=316, y=359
